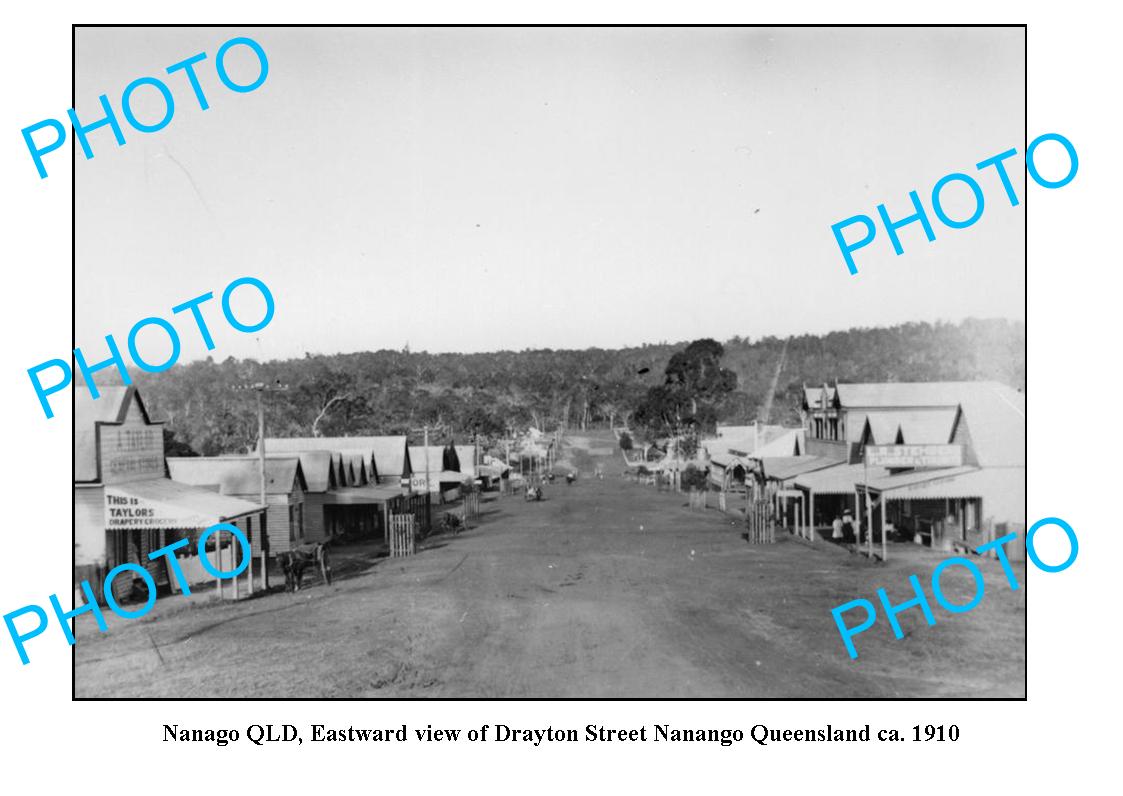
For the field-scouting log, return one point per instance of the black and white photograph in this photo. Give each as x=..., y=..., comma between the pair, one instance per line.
x=570, y=362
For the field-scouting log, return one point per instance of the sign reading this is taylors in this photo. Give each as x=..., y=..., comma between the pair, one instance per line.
x=126, y=511
x=902, y=456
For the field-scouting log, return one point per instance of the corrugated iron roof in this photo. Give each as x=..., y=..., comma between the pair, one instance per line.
x=199, y=508
x=837, y=480
x=917, y=426
x=337, y=466
x=735, y=431
x=467, y=456
x=436, y=458
x=931, y=427
x=389, y=454
x=912, y=478
x=368, y=494
x=724, y=445
x=813, y=396
x=781, y=468
x=910, y=394
x=958, y=482
x=995, y=426
x=772, y=441
x=239, y=475
x=883, y=427
x=727, y=460
x=789, y=442
x=318, y=468
x=357, y=459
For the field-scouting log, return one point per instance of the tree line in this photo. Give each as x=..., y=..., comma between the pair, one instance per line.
x=652, y=387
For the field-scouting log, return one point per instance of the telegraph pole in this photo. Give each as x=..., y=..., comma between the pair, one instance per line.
x=427, y=487
x=259, y=388
x=425, y=430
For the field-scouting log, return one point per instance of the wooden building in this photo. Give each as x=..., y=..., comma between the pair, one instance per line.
x=836, y=418
x=466, y=461
x=322, y=471
x=124, y=505
x=730, y=456
x=346, y=498
x=438, y=467
x=387, y=458
x=240, y=476
x=946, y=461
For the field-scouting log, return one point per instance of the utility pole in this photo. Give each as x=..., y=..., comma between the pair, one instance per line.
x=427, y=486
x=263, y=547
x=425, y=430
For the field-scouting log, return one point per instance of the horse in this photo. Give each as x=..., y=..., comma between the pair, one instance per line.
x=452, y=523
x=570, y=478
x=294, y=562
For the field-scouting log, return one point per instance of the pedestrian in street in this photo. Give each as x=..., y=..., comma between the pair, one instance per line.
x=836, y=529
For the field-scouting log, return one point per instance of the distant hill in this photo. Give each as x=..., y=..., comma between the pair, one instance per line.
x=461, y=394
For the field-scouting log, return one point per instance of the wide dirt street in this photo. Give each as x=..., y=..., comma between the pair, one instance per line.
x=604, y=589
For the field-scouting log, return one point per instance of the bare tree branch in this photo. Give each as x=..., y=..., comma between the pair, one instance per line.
x=324, y=411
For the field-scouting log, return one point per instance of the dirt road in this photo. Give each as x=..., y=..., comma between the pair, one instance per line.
x=604, y=589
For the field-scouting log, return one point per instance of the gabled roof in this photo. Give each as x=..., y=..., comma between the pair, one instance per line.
x=338, y=468
x=239, y=475
x=882, y=428
x=467, y=456
x=112, y=407
x=813, y=396
x=389, y=455
x=904, y=395
x=789, y=442
x=318, y=468
x=357, y=459
x=727, y=460
x=928, y=427
x=437, y=456
x=721, y=445
x=994, y=419
x=774, y=441
x=738, y=432
x=916, y=426
x=781, y=468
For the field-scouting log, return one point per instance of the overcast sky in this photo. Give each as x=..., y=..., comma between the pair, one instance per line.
x=481, y=189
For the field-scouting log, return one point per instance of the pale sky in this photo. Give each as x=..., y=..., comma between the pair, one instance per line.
x=483, y=189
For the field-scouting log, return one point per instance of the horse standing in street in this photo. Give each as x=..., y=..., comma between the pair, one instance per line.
x=294, y=562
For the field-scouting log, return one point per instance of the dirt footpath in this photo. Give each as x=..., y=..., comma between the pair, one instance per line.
x=604, y=589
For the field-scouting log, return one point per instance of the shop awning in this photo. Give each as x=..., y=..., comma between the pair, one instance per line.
x=781, y=468
x=838, y=480
x=165, y=504
x=727, y=460
x=362, y=495
x=948, y=482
